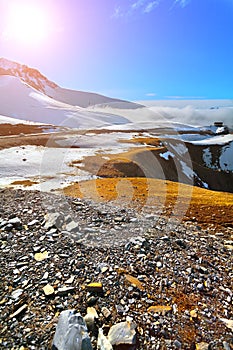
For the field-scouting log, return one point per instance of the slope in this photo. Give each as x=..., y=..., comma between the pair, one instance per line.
x=19, y=100
x=39, y=82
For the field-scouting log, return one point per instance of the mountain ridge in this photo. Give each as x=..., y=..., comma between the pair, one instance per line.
x=38, y=81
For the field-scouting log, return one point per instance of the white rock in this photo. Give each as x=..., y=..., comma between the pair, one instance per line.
x=123, y=333
x=103, y=342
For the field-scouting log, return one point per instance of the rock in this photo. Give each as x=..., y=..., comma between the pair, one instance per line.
x=17, y=293
x=95, y=287
x=134, y=281
x=119, y=219
x=202, y=346
x=65, y=290
x=193, y=313
x=103, y=342
x=200, y=286
x=53, y=220
x=72, y=226
x=181, y=243
x=70, y=280
x=159, y=308
x=33, y=223
x=90, y=318
x=8, y=227
x=19, y=311
x=48, y=290
x=41, y=256
x=105, y=312
x=92, y=301
x=16, y=222
x=123, y=333
x=226, y=346
x=45, y=276
x=71, y=332
x=228, y=323
x=177, y=344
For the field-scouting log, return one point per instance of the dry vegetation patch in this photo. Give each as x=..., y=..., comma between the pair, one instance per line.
x=171, y=198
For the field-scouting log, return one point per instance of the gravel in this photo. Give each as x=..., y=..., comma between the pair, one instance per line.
x=173, y=280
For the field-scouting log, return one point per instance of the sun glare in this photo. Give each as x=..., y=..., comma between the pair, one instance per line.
x=27, y=23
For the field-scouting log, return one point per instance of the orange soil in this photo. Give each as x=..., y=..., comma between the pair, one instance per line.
x=152, y=141
x=24, y=183
x=207, y=208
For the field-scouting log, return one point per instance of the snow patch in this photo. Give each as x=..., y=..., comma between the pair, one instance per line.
x=166, y=155
x=179, y=148
x=187, y=170
x=226, y=158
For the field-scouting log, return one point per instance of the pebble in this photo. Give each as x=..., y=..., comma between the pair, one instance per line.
x=41, y=256
x=48, y=290
x=95, y=287
x=108, y=252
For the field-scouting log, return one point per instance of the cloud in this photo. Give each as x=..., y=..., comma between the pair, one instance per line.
x=117, y=12
x=185, y=97
x=181, y=3
x=137, y=4
x=144, y=7
x=151, y=6
x=151, y=94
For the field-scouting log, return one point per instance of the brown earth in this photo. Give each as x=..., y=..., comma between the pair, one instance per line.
x=130, y=178
x=207, y=208
x=26, y=134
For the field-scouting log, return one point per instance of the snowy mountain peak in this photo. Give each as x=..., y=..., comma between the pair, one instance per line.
x=29, y=75
x=39, y=82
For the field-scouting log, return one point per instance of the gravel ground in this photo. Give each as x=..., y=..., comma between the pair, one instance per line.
x=175, y=281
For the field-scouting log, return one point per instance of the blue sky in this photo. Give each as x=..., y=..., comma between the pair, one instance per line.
x=132, y=49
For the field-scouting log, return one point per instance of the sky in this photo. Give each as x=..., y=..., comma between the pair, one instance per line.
x=129, y=49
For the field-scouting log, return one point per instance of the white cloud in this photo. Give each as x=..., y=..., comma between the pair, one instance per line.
x=177, y=97
x=137, y=4
x=181, y=3
x=151, y=94
x=143, y=7
x=151, y=6
x=117, y=12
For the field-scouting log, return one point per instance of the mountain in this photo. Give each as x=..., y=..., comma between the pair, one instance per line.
x=20, y=100
x=39, y=82
x=191, y=154
x=27, y=94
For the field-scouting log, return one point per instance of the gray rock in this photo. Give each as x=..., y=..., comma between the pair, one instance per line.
x=103, y=342
x=53, y=220
x=8, y=227
x=72, y=226
x=177, y=344
x=226, y=346
x=71, y=332
x=16, y=222
x=33, y=223
x=123, y=333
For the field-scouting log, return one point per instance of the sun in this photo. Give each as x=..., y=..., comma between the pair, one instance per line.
x=27, y=23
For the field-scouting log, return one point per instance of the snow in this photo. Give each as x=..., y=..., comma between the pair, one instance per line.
x=214, y=140
x=179, y=148
x=187, y=170
x=207, y=158
x=87, y=99
x=14, y=121
x=49, y=165
x=35, y=106
x=226, y=158
x=166, y=155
